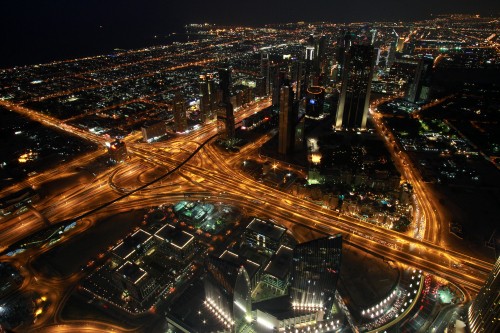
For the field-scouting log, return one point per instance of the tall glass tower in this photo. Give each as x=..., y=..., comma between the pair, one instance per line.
x=180, y=118
x=225, y=118
x=484, y=312
x=287, y=119
x=315, y=271
x=352, y=110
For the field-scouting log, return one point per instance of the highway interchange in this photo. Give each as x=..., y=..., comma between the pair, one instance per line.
x=191, y=163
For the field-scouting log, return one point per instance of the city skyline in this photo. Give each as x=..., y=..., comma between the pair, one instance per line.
x=285, y=178
x=36, y=32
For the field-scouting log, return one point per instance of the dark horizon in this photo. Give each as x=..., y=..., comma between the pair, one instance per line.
x=40, y=32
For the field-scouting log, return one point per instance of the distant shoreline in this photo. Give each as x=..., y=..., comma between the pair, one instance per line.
x=29, y=53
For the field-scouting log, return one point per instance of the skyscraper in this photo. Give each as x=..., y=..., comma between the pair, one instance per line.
x=225, y=115
x=373, y=35
x=207, y=97
x=265, y=72
x=352, y=110
x=401, y=44
x=391, y=52
x=419, y=86
x=260, y=86
x=228, y=291
x=180, y=118
x=315, y=60
x=225, y=83
x=296, y=75
x=320, y=56
x=278, y=79
x=310, y=49
x=309, y=61
x=212, y=91
x=484, y=312
x=343, y=44
x=219, y=286
x=315, y=271
x=287, y=119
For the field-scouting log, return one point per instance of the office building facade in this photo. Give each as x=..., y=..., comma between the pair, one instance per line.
x=180, y=116
x=225, y=114
x=153, y=131
x=484, y=312
x=352, y=110
x=418, y=90
x=265, y=72
x=208, y=97
x=315, y=271
x=287, y=119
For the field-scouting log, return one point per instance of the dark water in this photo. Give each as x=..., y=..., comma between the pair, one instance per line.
x=47, y=46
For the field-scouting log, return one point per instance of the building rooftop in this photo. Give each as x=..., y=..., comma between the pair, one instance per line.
x=280, y=263
x=280, y=307
x=141, y=236
x=132, y=272
x=117, y=144
x=250, y=266
x=176, y=237
x=132, y=243
x=267, y=229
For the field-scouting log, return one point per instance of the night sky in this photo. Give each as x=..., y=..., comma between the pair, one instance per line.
x=43, y=30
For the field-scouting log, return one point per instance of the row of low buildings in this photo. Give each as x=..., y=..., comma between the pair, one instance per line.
x=143, y=264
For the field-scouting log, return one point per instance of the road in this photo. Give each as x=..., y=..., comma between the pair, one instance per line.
x=191, y=163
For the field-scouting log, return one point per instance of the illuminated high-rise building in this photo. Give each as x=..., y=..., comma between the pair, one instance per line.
x=352, y=110
x=343, y=44
x=212, y=91
x=260, y=86
x=391, y=55
x=296, y=77
x=315, y=271
x=225, y=83
x=265, y=71
x=225, y=115
x=287, y=119
x=180, y=117
x=207, y=98
x=377, y=57
x=315, y=60
x=401, y=44
x=373, y=35
x=278, y=79
x=391, y=52
x=310, y=49
x=315, y=100
x=228, y=292
x=225, y=121
x=320, y=54
x=309, y=60
x=419, y=87
x=484, y=312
